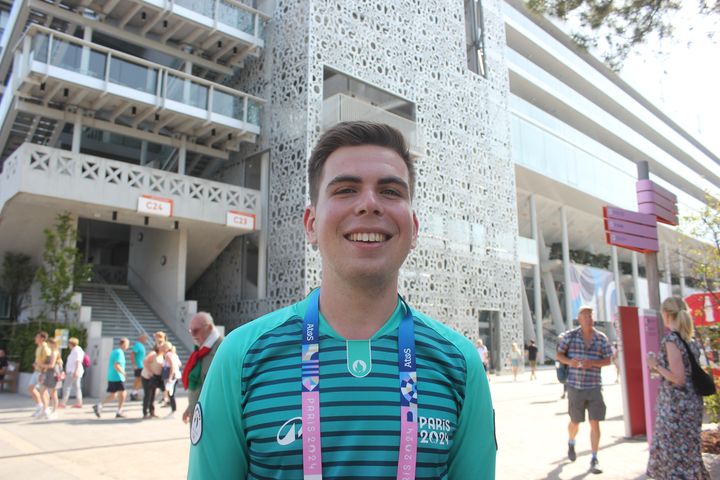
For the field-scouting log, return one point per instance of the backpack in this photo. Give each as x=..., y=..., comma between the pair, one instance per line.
x=86, y=361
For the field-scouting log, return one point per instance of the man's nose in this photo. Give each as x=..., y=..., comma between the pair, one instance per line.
x=369, y=202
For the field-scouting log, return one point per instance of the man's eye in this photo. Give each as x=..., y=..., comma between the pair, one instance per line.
x=344, y=190
x=391, y=192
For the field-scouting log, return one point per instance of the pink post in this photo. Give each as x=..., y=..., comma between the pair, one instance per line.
x=649, y=341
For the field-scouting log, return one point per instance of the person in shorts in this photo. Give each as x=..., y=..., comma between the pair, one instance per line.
x=137, y=354
x=585, y=350
x=116, y=379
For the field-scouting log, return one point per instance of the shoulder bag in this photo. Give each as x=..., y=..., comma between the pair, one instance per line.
x=704, y=384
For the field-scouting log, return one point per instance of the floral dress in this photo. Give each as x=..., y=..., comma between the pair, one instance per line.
x=675, y=451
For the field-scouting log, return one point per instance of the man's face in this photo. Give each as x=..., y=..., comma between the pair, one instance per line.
x=39, y=339
x=585, y=318
x=363, y=220
x=199, y=330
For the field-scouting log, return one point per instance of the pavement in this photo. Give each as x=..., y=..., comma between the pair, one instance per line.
x=531, y=422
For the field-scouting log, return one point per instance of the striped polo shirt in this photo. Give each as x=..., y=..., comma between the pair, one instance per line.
x=250, y=404
x=573, y=345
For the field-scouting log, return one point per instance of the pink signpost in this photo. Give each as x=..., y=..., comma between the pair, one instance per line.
x=638, y=231
x=649, y=341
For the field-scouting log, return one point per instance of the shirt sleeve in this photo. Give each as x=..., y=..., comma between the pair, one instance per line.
x=218, y=447
x=474, y=448
x=564, y=344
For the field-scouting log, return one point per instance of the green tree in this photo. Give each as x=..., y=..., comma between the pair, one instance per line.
x=16, y=279
x=704, y=260
x=62, y=266
x=618, y=26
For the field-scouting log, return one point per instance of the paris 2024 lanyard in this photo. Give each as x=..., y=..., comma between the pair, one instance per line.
x=312, y=448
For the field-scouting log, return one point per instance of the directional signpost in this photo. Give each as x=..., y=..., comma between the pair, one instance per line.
x=638, y=231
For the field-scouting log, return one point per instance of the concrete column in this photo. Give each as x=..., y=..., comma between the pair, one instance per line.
x=143, y=153
x=636, y=278
x=186, y=83
x=668, y=273
x=264, y=212
x=536, y=281
x=612, y=335
x=681, y=273
x=566, y=267
x=182, y=155
x=85, y=55
x=77, y=133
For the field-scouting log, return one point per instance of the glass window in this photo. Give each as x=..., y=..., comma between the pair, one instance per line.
x=474, y=37
x=227, y=104
x=186, y=91
x=132, y=75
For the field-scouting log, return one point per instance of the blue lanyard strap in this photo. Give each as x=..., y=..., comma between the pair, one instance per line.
x=310, y=392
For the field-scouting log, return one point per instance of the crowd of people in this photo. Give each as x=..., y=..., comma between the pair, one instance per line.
x=157, y=370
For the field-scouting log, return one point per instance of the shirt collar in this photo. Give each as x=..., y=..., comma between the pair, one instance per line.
x=211, y=339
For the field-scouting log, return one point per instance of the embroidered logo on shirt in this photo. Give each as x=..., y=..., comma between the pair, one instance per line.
x=290, y=431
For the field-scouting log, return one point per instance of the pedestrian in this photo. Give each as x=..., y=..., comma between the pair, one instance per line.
x=532, y=352
x=42, y=351
x=137, y=355
x=116, y=380
x=331, y=365
x=52, y=375
x=675, y=451
x=152, y=379
x=170, y=375
x=74, y=371
x=515, y=358
x=585, y=350
x=207, y=340
x=483, y=354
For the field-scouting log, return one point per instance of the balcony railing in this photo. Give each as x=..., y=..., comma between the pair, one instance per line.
x=228, y=12
x=63, y=51
x=42, y=170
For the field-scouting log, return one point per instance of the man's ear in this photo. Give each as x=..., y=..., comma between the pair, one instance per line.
x=309, y=223
x=416, y=225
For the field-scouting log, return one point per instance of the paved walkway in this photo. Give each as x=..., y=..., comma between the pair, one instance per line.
x=531, y=430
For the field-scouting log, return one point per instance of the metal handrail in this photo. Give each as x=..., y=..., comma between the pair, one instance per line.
x=123, y=308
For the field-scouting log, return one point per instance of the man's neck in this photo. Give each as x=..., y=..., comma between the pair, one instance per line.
x=356, y=313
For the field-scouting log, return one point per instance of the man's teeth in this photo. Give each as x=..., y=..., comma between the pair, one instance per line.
x=367, y=237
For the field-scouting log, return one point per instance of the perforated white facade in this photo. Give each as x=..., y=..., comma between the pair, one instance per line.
x=466, y=259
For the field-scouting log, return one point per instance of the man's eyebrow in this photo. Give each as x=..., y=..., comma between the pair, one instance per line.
x=343, y=179
x=394, y=180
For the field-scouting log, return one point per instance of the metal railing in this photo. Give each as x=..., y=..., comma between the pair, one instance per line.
x=117, y=68
x=97, y=278
x=228, y=12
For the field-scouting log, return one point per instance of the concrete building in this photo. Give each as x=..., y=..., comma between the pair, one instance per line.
x=177, y=135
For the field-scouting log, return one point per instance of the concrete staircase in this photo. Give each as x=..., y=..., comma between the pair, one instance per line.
x=116, y=325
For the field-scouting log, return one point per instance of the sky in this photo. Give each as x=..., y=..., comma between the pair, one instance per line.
x=682, y=76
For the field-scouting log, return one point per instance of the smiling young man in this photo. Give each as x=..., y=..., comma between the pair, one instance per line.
x=350, y=382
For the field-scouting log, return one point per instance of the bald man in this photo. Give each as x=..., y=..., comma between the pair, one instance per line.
x=207, y=339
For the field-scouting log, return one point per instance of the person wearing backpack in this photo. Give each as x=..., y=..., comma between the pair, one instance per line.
x=675, y=450
x=74, y=371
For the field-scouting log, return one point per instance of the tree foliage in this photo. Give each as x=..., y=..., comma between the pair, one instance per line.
x=62, y=267
x=704, y=260
x=16, y=279
x=618, y=26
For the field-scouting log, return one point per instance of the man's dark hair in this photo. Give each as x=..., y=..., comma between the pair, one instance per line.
x=43, y=334
x=355, y=134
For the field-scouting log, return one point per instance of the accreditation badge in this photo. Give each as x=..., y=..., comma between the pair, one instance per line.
x=196, y=425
